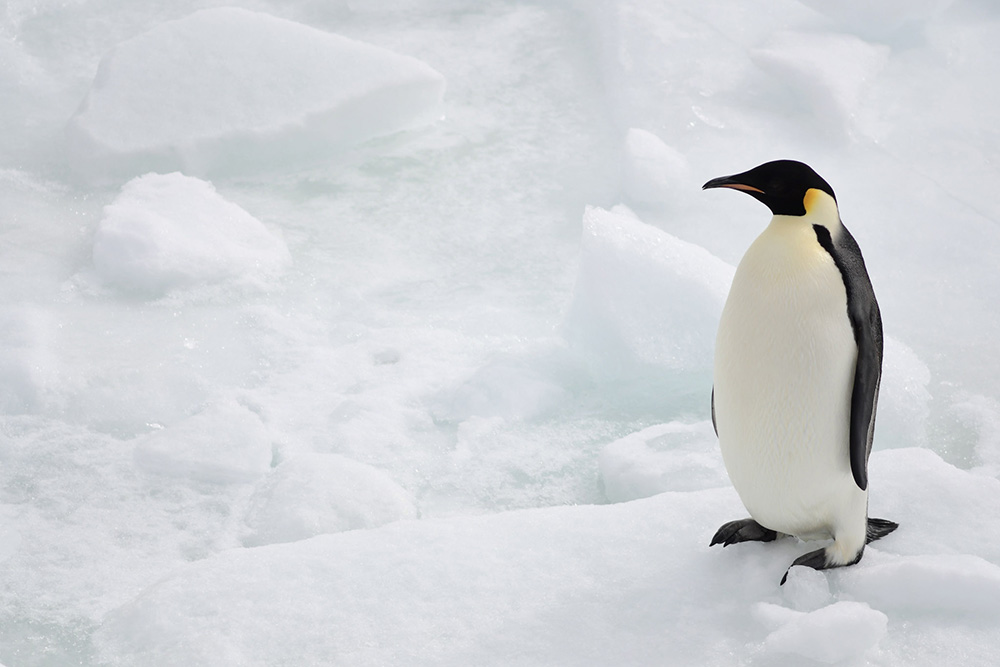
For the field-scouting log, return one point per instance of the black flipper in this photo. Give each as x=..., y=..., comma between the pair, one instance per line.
x=742, y=530
x=879, y=528
x=866, y=323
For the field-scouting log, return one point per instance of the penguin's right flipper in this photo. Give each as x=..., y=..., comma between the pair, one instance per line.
x=742, y=530
x=879, y=528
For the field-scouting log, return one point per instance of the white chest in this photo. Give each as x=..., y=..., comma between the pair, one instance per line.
x=784, y=369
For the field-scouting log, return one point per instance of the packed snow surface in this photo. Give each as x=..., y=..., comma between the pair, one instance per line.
x=382, y=333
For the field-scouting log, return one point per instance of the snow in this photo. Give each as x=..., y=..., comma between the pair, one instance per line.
x=666, y=457
x=643, y=296
x=829, y=635
x=232, y=87
x=621, y=583
x=223, y=443
x=313, y=494
x=382, y=333
x=170, y=232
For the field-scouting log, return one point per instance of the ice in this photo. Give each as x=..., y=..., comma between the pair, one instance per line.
x=829, y=635
x=904, y=397
x=506, y=388
x=805, y=589
x=223, y=443
x=232, y=88
x=620, y=582
x=666, y=457
x=917, y=481
x=557, y=585
x=306, y=358
x=312, y=494
x=940, y=584
x=26, y=366
x=980, y=415
x=644, y=297
x=166, y=232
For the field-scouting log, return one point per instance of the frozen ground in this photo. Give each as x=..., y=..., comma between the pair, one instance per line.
x=380, y=332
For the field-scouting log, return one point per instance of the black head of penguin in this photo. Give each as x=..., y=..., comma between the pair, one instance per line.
x=780, y=185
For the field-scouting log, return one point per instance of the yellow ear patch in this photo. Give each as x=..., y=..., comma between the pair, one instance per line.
x=812, y=199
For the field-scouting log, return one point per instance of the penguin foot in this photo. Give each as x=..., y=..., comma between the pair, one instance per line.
x=819, y=560
x=742, y=530
x=879, y=528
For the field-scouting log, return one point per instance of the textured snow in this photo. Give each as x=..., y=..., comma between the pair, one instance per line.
x=307, y=357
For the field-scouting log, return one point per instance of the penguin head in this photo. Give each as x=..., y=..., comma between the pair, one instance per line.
x=782, y=185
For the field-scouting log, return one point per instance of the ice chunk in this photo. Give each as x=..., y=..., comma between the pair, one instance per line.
x=169, y=231
x=312, y=494
x=666, y=457
x=229, y=88
x=645, y=296
x=948, y=584
x=831, y=634
x=224, y=443
x=830, y=70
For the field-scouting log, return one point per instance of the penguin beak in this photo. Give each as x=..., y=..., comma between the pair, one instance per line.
x=730, y=182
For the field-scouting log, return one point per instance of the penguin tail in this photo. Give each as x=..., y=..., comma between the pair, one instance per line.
x=879, y=528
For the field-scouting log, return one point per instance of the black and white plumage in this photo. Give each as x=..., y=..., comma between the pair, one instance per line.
x=798, y=360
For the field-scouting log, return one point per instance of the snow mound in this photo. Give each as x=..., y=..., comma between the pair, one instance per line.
x=231, y=89
x=169, y=231
x=312, y=494
x=831, y=71
x=666, y=457
x=644, y=296
x=949, y=584
x=224, y=443
x=831, y=634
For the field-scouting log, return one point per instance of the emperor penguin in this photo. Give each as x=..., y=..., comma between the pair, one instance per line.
x=798, y=360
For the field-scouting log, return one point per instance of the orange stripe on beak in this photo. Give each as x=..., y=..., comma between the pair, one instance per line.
x=741, y=186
